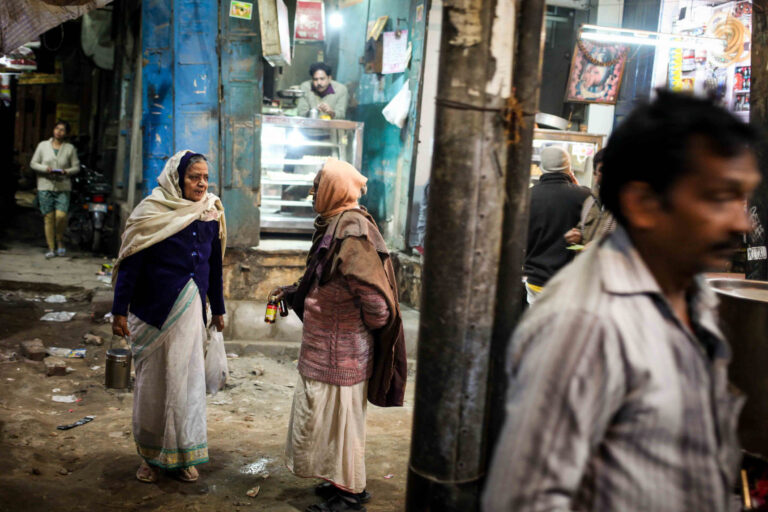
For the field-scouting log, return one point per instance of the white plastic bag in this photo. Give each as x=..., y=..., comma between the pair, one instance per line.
x=216, y=370
x=396, y=110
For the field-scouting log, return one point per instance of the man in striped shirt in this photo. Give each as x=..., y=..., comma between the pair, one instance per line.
x=618, y=397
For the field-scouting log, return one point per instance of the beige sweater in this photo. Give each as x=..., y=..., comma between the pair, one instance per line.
x=337, y=100
x=66, y=160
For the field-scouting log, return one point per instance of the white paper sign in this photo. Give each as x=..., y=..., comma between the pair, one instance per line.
x=395, y=55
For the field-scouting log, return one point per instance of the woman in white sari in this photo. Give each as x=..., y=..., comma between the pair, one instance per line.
x=169, y=262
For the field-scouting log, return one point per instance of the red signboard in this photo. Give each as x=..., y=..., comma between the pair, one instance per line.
x=310, y=21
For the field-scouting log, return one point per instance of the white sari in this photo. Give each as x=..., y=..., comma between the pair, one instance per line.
x=169, y=424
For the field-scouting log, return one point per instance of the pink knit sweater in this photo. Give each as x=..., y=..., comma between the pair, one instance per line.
x=337, y=343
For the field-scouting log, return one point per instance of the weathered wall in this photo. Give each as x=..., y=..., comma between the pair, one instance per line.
x=250, y=274
x=408, y=274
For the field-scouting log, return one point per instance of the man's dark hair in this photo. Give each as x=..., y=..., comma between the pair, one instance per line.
x=598, y=158
x=65, y=124
x=314, y=68
x=653, y=143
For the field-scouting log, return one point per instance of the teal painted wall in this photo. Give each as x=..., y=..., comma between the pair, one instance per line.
x=387, y=150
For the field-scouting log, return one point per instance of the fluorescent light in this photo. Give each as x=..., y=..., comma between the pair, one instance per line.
x=335, y=20
x=644, y=37
x=295, y=138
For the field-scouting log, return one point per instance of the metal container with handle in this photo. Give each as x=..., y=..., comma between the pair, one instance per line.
x=118, y=368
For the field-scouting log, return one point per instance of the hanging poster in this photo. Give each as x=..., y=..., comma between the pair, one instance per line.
x=310, y=21
x=242, y=10
x=596, y=72
x=395, y=55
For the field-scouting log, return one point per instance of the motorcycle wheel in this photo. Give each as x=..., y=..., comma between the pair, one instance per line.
x=96, y=244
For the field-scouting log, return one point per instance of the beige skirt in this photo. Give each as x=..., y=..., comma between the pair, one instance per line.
x=326, y=434
x=169, y=396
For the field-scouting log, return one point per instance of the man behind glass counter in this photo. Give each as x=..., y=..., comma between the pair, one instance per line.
x=328, y=96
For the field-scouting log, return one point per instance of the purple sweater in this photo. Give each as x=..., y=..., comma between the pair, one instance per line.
x=149, y=281
x=337, y=343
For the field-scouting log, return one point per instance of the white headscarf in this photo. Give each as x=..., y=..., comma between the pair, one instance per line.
x=165, y=212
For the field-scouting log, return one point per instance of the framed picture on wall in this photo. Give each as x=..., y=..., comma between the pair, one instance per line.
x=596, y=72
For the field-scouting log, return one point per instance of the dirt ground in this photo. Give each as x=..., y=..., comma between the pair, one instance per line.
x=92, y=467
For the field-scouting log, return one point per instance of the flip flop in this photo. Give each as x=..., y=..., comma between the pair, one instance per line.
x=146, y=474
x=189, y=474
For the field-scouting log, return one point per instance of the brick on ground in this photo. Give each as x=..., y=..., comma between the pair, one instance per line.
x=33, y=349
x=101, y=303
x=55, y=366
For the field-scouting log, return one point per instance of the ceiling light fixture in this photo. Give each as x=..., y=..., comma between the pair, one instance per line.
x=645, y=37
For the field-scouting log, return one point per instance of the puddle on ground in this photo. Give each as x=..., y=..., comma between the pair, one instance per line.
x=257, y=468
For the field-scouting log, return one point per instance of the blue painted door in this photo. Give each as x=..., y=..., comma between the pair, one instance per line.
x=241, y=86
x=157, y=89
x=196, y=79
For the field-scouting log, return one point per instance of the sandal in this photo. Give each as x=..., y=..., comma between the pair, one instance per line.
x=146, y=473
x=338, y=503
x=327, y=490
x=188, y=474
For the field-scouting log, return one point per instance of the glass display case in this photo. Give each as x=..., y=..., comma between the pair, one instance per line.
x=581, y=146
x=293, y=149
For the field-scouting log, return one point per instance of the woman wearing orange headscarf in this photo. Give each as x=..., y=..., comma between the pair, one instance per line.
x=352, y=343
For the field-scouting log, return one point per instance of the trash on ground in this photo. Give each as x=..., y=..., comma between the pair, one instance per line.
x=258, y=468
x=232, y=355
x=106, y=279
x=258, y=371
x=108, y=317
x=8, y=356
x=55, y=390
x=57, y=299
x=64, y=399
x=79, y=422
x=389, y=476
x=66, y=352
x=95, y=367
x=10, y=379
x=253, y=492
x=58, y=316
x=92, y=339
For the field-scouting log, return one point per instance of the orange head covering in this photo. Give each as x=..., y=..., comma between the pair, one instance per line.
x=339, y=189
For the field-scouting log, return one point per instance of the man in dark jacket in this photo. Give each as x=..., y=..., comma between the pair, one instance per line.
x=555, y=208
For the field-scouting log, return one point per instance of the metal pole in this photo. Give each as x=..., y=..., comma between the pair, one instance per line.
x=462, y=248
x=509, y=297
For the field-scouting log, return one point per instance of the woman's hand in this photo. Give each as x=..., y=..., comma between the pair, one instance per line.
x=120, y=326
x=217, y=321
x=277, y=294
x=573, y=236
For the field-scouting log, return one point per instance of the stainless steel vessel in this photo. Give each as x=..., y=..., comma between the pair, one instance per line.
x=118, y=370
x=744, y=320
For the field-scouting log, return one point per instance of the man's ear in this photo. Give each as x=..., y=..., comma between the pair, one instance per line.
x=640, y=205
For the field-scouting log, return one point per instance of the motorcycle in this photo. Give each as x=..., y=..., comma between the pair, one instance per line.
x=92, y=218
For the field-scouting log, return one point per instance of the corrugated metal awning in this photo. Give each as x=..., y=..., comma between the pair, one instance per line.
x=21, y=21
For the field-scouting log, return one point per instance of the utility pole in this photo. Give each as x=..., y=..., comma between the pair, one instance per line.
x=529, y=52
x=462, y=251
x=757, y=240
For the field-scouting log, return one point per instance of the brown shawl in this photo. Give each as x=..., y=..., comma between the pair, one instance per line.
x=350, y=243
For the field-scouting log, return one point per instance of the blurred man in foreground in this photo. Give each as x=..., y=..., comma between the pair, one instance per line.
x=618, y=377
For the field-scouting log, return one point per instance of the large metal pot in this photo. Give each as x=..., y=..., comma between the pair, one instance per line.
x=744, y=320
